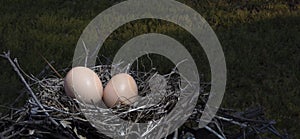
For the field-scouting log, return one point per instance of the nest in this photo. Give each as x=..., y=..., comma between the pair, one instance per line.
x=50, y=113
x=61, y=116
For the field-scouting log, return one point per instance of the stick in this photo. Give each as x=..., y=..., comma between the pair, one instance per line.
x=214, y=132
x=51, y=66
x=7, y=56
x=14, y=134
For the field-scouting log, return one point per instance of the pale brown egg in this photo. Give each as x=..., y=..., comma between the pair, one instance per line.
x=121, y=88
x=85, y=84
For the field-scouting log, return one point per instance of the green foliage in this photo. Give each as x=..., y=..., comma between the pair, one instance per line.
x=260, y=40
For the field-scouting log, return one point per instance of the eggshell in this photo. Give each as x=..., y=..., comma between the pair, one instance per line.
x=85, y=84
x=121, y=88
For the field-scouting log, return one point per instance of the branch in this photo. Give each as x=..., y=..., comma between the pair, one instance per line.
x=214, y=132
x=7, y=56
x=15, y=134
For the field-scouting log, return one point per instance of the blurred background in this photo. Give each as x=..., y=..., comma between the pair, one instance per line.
x=260, y=40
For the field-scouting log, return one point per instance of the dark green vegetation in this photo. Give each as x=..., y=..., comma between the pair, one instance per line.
x=260, y=39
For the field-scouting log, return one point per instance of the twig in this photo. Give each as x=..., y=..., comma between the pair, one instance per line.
x=50, y=65
x=7, y=56
x=175, y=134
x=11, y=128
x=14, y=134
x=231, y=121
x=214, y=132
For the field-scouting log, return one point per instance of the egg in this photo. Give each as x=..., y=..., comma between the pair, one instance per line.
x=121, y=88
x=85, y=84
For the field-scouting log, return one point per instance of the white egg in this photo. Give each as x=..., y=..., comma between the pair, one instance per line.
x=83, y=83
x=121, y=88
